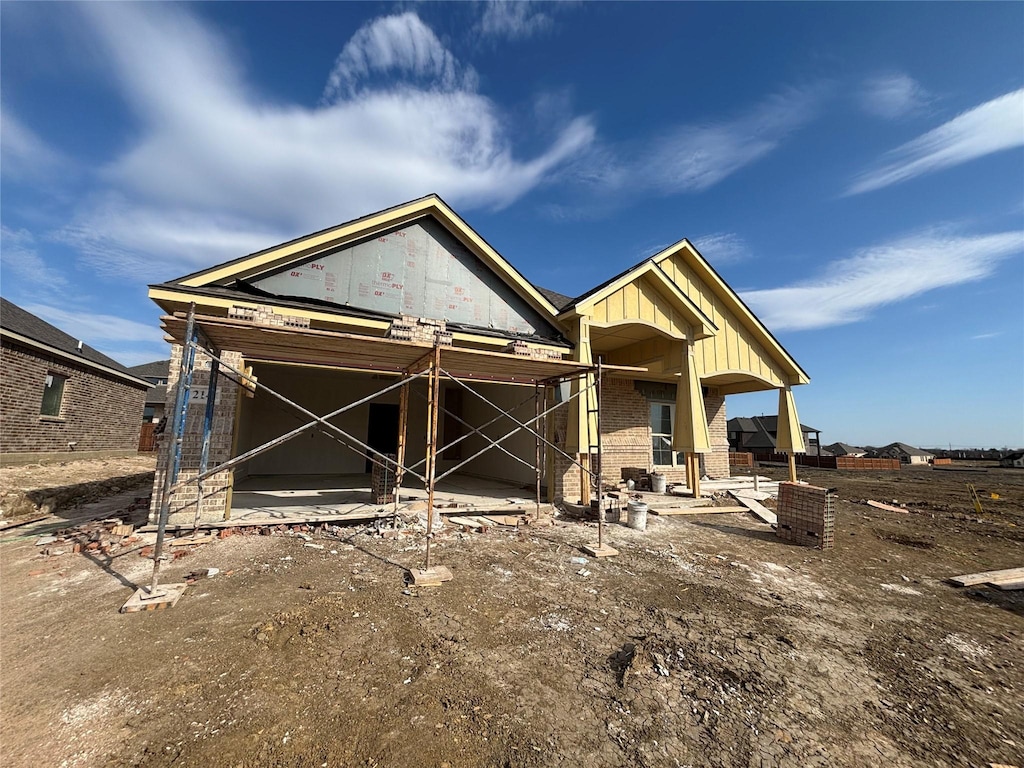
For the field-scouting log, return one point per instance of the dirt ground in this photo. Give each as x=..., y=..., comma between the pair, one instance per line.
x=706, y=642
x=25, y=488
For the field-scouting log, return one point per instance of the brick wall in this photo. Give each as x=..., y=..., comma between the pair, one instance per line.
x=98, y=412
x=215, y=488
x=626, y=438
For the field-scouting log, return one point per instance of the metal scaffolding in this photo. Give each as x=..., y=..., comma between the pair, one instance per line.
x=197, y=335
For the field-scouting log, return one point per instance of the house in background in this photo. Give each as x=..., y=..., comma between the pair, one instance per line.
x=907, y=454
x=156, y=396
x=843, y=449
x=59, y=395
x=1015, y=459
x=758, y=434
x=338, y=316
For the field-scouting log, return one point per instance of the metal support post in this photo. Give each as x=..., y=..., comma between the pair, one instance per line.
x=403, y=427
x=435, y=390
x=597, y=473
x=537, y=408
x=204, y=456
x=174, y=446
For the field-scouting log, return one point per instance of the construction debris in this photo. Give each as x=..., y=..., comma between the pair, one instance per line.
x=1007, y=579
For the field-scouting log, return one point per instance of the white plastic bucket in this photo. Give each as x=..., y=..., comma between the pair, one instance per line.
x=658, y=483
x=637, y=515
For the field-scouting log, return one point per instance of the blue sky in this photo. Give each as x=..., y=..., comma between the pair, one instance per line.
x=855, y=171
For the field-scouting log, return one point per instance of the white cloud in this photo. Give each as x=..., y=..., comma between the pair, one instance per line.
x=892, y=96
x=884, y=274
x=131, y=357
x=692, y=158
x=18, y=254
x=991, y=127
x=217, y=171
x=400, y=44
x=96, y=328
x=22, y=152
x=982, y=336
x=514, y=19
x=723, y=248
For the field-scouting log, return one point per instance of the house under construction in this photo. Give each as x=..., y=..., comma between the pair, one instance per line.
x=402, y=342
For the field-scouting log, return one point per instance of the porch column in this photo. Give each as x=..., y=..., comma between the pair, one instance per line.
x=690, y=430
x=581, y=432
x=788, y=438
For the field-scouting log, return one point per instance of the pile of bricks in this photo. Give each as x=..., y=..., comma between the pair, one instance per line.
x=264, y=315
x=102, y=537
x=421, y=330
x=532, y=351
x=382, y=481
x=807, y=515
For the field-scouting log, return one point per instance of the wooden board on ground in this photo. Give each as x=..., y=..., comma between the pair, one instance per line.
x=603, y=551
x=168, y=597
x=1007, y=586
x=430, y=577
x=989, y=577
x=469, y=522
x=886, y=507
x=760, y=511
x=15, y=522
x=185, y=541
x=669, y=511
x=513, y=520
x=258, y=522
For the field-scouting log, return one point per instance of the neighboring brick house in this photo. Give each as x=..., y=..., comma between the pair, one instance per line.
x=156, y=396
x=676, y=341
x=60, y=395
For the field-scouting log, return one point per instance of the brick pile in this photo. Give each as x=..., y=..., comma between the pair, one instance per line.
x=807, y=515
x=382, y=481
x=262, y=314
x=422, y=330
x=532, y=351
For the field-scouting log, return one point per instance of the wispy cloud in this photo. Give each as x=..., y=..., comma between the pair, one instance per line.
x=981, y=336
x=95, y=328
x=994, y=126
x=396, y=45
x=22, y=153
x=723, y=248
x=893, y=96
x=217, y=170
x=694, y=157
x=873, y=277
x=19, y=256
x=514, y=19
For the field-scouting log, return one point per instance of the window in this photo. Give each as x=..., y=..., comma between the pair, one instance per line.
x=662, y=418
x=53, y=394
x=148, y=411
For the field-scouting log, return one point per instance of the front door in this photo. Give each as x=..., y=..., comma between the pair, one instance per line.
x=382, y=430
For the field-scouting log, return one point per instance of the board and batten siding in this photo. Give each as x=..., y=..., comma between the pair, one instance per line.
x=641, y=300
x=735, y=346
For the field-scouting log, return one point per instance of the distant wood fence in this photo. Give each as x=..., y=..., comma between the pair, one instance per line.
x=831, y=462
x=738, y=459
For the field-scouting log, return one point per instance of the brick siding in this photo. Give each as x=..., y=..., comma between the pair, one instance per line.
x=98, y=412
x=626, y=439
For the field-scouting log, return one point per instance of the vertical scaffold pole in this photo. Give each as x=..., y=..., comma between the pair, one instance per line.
x=600, y=464
x=537, y=442
x=204, y=456
x=403, y=422
x=435, y=390
x=177, y=438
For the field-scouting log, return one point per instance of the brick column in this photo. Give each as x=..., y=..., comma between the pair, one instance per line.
x=716, y=463
x=215, y=488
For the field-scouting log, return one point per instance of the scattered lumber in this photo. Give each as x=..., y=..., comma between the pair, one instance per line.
x=887, y=507
x=1007, y=586
x=167, y=596
x=995, y=578
x=15, y=522
x=709, y=510
x=468, y=522
x=760, y=511
x=430, y=577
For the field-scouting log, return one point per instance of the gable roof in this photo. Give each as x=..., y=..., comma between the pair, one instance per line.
x=732, y=299
x=905, y=448
x=750, y=424
x=648, y=267
x=845, y=448
x=21, y=325
x=158, y=369
x=308, y=246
